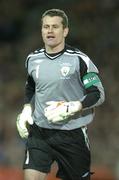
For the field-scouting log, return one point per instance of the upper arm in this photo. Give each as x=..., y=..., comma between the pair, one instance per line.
x=90, y=78
x=29, y=89
x=30, y=84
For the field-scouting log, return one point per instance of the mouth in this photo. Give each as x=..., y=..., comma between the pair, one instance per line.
x=50, y=37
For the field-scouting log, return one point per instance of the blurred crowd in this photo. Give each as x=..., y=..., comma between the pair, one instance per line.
x=94, y=27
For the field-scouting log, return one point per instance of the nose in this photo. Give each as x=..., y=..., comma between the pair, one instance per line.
x=50, y=29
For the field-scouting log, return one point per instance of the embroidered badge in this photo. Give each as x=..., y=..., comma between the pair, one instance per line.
x=65, y=70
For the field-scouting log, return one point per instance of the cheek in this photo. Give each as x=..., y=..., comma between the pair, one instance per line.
x=43, y=34
x=60, y=35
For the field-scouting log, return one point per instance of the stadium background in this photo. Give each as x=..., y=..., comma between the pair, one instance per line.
x=94, y=28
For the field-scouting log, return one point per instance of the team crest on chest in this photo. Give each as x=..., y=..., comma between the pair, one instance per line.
x=65, y=70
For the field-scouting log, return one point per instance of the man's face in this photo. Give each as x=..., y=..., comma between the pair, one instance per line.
x=53, y=33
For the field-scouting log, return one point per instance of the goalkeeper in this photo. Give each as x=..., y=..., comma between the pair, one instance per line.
x=64, y=86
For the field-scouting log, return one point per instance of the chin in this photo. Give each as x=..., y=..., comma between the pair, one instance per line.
x=52, y=45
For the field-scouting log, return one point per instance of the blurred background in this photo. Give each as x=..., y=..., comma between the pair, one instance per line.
x=94, y=29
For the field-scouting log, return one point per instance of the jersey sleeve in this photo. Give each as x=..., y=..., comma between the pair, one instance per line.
x=27, y=62
x=94, y=91
x=29, y=90
x=30, y=85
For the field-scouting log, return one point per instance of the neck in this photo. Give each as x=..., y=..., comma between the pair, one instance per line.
x=54, y=49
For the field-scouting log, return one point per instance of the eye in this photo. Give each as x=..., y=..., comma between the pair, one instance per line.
x=55, y=26
x=45, y=26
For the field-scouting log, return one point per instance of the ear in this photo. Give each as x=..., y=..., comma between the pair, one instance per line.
x=66, y=30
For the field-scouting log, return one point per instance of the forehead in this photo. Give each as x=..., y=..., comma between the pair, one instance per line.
x=52, y=20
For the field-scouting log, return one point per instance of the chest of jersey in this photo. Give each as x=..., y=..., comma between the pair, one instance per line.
x=47, y=72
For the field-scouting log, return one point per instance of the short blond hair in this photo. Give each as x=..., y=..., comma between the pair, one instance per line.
x=57, y=12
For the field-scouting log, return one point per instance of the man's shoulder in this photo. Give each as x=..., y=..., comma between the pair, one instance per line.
x=33, y=56
x=36, y=52
x=71, y=50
